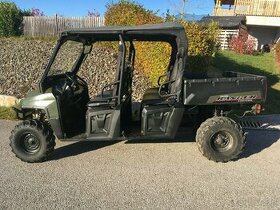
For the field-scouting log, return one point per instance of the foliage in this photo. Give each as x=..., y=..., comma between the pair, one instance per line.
x=7, y=113
x=127, y=12
x=153, y=58
x=93, y=13
x=277, y=51
x=150, y=57
x=201, y=44
x=242, y=43
x=11, y=19
x=37, y=12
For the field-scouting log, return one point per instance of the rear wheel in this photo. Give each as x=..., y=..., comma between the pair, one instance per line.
x=32, y=141
x=220, y=139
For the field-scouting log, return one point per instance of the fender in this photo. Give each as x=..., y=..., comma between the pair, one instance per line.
x=46, y=102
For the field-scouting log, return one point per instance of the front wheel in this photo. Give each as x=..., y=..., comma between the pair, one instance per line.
x=220, y=139
x=32, y=141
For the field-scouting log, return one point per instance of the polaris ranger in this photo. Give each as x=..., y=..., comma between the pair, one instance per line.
x=61, y=107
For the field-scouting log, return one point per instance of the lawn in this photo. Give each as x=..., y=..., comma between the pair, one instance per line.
x=263, y=64
x=7, y=113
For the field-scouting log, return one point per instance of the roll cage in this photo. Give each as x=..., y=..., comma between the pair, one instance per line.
x=172, y=33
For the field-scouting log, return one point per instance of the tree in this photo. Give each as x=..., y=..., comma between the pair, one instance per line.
x=93, y=13
x=10, y=19
x=37, y=12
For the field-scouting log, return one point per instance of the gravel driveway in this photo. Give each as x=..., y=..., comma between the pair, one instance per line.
x=131, y=175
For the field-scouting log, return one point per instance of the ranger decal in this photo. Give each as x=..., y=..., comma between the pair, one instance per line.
x=246, y=98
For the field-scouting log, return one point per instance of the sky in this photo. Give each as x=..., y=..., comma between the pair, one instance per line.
x=81, y=7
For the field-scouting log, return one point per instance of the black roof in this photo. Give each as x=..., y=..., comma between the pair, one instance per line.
x=225, y=21
x=168, y=32
x=172, y=26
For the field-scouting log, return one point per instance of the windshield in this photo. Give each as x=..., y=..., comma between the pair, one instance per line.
x=66, y=57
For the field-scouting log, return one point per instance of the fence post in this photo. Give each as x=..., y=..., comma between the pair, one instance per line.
x=56, y=25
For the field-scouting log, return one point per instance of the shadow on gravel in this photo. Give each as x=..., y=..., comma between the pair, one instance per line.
x=180, y=138
x=78, y=148
x=261, y=140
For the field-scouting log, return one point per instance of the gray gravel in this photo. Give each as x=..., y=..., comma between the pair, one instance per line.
x=22, y=63
x=158, y=175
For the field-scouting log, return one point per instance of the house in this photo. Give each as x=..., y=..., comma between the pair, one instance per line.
x=262, y=17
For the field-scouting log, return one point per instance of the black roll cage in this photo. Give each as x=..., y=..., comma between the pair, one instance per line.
x=172, y=33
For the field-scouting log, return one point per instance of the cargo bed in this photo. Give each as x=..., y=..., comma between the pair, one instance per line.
x=231, y=88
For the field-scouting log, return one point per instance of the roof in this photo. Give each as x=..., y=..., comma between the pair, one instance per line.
x=167, y=32
x=229, y=2
x=225, y=21
x=122, y=29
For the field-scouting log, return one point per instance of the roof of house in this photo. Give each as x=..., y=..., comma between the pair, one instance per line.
x=230, y=2
x=225, y=21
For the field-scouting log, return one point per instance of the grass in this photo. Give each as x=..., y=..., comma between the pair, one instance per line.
x=7, y=113
x=30, y=38
x=262, y=64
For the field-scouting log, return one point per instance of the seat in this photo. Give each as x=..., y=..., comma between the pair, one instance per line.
x=103, y=99
x=109, y=93
x=151, y=96
x=168, y=92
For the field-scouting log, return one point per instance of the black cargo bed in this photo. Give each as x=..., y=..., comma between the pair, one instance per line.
x=231, y=88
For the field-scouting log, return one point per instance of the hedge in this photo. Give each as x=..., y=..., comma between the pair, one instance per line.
x=153, y=58
x=11, y=18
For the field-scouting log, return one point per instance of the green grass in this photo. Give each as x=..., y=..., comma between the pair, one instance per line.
x=30, y=38
x=262, y=64
x=7, y=113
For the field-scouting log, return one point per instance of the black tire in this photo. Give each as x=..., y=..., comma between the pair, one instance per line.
x=32, y=141
x=220, y=139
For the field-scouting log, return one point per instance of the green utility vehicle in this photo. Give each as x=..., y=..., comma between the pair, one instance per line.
x=61, y=107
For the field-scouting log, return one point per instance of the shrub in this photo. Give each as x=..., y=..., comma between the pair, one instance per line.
x=10, y=19
x=153, y=58
x=277, y=51
x=201, y=44
x=127, y=12
x=242, y=43
x=7, y=113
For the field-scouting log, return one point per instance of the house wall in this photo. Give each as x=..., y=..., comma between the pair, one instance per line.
x=263, y=21
x=264, y=34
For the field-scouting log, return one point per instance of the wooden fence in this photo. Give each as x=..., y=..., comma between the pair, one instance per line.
x=51, y=26
x=225, y=36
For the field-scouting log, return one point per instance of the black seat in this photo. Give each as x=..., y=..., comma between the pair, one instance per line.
x=110, y=97
x=109, y=93
x=169, y=91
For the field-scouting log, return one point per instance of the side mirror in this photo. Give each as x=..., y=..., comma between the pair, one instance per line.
x=87, y=49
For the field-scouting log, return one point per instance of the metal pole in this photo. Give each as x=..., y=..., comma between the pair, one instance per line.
x=183, y=9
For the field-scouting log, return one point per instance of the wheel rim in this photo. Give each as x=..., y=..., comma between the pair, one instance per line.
x=30, y=143
x=222, y=141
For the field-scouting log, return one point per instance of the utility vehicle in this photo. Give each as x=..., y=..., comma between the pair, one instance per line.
x=61, y=107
